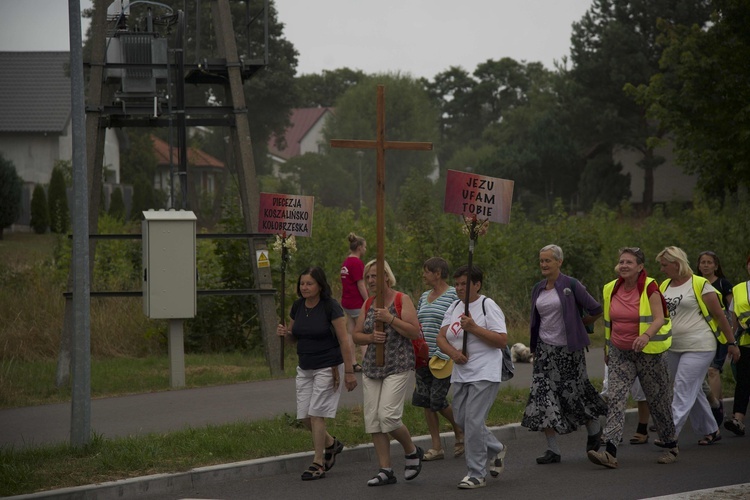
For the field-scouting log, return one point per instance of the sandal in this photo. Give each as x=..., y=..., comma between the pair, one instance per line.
x=669, y=457
x=433, y=454
x=458, y=448
x=384, y=476
x=413, y=464
x=357, y=367
x=469, y=483
x=639, y=438
x=331, y=452
x=710, y=439
x=735, y=426
x=497, y=466
x=315, y=471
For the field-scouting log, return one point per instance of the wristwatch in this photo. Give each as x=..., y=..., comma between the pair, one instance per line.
x=732, y=343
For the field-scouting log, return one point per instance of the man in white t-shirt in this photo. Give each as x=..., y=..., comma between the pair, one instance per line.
x=476, y=373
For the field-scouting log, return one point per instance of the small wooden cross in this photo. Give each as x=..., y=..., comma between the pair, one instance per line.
x=380, y=145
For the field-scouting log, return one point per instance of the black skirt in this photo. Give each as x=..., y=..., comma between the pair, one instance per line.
x=561, y=396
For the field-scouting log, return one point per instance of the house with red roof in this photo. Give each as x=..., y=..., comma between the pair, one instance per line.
x=305, y=135
x=205, y=171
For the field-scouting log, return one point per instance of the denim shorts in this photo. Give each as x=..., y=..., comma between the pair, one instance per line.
x=352, y=313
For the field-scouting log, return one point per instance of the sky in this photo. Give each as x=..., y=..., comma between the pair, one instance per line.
x=418, y=37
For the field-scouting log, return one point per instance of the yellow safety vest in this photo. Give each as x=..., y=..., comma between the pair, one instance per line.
x=698, y=283
x=659, y=342
x=742, y=310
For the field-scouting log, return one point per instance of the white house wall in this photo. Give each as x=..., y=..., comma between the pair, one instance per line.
x=112, y=155
x=311, y=142
x=34, y=155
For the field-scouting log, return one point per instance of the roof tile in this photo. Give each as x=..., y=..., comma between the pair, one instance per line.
x=34, y=91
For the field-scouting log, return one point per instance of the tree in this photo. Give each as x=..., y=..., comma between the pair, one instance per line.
x=59, y=214
x=409, y=117
x=534, y=148
x=117, y=205
x=524, y=132
x=331, y=184
x=602, y=181
x=139, y=159
x=451, y=93
x=324, y=89
x=10, y=194
x=614, y=44
x=701, y=94
x=39, y=210
x=269, y=94
x=144, y=198
x=470, y=104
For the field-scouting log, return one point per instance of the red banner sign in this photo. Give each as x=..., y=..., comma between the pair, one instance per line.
x=286, y=214
x=486, y=198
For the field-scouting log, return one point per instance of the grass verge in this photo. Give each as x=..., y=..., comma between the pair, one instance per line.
x=45, y=468
x=29, y=383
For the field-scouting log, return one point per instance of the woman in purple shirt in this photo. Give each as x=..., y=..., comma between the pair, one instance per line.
x=561, y=397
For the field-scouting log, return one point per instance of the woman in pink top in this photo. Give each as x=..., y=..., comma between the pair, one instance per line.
x=636, y=337
x=353, y=289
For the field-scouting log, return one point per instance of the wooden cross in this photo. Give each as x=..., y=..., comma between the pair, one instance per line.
x=380, y=145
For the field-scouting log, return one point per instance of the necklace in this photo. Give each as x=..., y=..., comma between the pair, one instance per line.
x=308, y=310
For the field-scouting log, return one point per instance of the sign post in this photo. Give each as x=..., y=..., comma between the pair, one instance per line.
x=480, y=200
x=286, y=216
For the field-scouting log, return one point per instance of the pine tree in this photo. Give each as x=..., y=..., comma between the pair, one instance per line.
x=117, y=205
x=143, y=197
x=39, y=210
x=10, y=194
x=59, y=214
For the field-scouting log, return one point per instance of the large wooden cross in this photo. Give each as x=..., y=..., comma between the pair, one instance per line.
x=380, y=145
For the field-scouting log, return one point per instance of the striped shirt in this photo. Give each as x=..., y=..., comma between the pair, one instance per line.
x=430, y=315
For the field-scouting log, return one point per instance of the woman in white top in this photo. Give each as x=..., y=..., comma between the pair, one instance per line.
x=697, y=320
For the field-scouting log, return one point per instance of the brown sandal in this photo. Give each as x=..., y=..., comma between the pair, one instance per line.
x=315, y=471
x=639, y=438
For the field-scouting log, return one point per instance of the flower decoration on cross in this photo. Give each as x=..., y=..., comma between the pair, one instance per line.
x=474, y=227
x=286, y=245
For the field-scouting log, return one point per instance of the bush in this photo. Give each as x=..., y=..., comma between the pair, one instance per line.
x=508, y=255
x=39, y=210
x=144, y=198
x=10, y=194
x=225, y=323
x=59, y=214
x=117, y=205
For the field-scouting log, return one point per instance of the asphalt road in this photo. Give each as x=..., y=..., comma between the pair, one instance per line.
x=638, y=476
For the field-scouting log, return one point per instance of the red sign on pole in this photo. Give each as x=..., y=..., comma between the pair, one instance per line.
x=473, y=195
x=286, y=214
